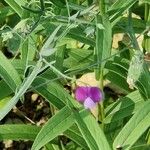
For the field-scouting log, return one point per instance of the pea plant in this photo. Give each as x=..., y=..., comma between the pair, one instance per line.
x=47, y=46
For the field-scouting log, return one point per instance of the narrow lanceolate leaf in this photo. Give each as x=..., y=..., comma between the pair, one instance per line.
x=74, y=134
x=144, y=1
x=18, y=132
x=47, y=48
x=54, y=127
x=124, y=107
x=91, y=131
x=4, y=101
x=28, y=50
x=143, y=83
x=5, y=89
x=8, y=73
x=118, y=72
x=136, y=126
x=118, y=8
x=15, y=5
x=22, y=90
x=60, y=53
x=79, y=35
x=5, y=12
x=103, y=43
x=51, y=91
x=50, y=146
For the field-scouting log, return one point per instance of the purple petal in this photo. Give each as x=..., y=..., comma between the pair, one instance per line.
x=95, y=94
x=81, y=93
x=89, y=103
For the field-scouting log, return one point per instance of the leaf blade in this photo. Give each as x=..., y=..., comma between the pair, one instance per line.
x=8, y=73
x=21, y=132
x=134, y=128
x=55, y=126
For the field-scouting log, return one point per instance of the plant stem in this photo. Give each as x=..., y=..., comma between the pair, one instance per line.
x=102, y=6
x=101, y=106
x=146, y=40
x=146, y=12
x=56, y=70
x=42, y=5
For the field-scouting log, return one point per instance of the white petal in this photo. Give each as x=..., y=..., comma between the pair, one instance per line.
x=89, y=103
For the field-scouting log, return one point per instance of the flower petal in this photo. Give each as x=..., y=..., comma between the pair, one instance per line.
x=89, y=103
x=95, y=94
x=81, y=93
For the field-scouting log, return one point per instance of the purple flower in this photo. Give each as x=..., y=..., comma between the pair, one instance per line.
x=89, y=96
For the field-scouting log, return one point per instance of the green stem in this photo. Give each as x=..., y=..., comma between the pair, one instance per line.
x=67, y=6
x=42, y=5
x=101, y=80
x=146, y=12
x=148, y=17
x=146, y=41
x=102, y=6
x=101, y=105
x=56, y=70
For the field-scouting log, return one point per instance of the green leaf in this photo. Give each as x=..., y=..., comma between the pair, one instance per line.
x=51, y=91
x=124, y=107
x=141, y=147
x=28, y=50
x=144, y=1
x=116, y=10
x=54, y=127
x=79, y=35
x=86, y=132
x=22, y=90
x=50, y=146
x=5, y=12
x=138, y=25
x=8, y=73
x=15, y=5
x=4, y=101
x=59, y=3
x=103, y=43
x=18, y=132
x=5, y=89
x=116, y=68
x=74, y=134
x=91, y=131
x=118, y=73
x=60, y=57
x=143, y=83
x=78, y=58
x=13, y=43
x=47, y=48
x=135, y=127
x=19, y=65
